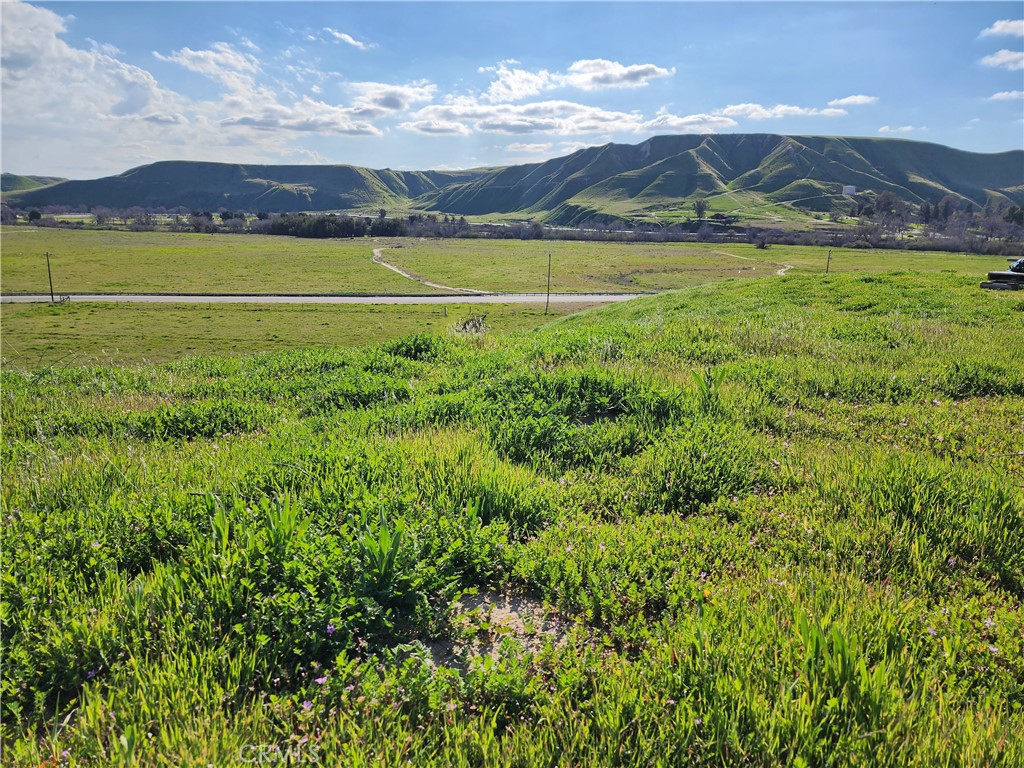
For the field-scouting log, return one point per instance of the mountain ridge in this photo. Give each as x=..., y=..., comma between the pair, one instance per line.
x=616, y=180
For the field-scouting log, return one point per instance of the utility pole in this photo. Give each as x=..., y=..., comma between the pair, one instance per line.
x=49, y=275
x=829, y=262
x=548, y=302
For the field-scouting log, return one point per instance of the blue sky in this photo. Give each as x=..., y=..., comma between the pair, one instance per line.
x=95, y=88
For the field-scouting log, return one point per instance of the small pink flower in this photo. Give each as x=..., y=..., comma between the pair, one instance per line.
x=307, y=705
x=321, y=680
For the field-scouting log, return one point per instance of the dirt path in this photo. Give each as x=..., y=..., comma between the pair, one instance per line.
x=378, y=258
x=783, y=267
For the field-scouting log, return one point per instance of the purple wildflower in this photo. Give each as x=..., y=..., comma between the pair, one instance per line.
x=307, y=705
x=331, y=629
x=321, y=680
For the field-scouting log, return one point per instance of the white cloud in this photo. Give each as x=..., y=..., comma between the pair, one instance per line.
x=52, y=90
x=559, y=118
x=434, y=127
x=104, y=48
x=221, y=63
x=690, y=123
x=306, y=116
x=376, y=100
x=853, y=101
x=514, y=84
x=1007, y=96
x=343, y=37
x=1012, y=27
x=900, y=129
x=1005, y=59
x=761, y=112
x=595, y=74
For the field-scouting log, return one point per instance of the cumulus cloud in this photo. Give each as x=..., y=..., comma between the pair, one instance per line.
x=761, y=112
x=1007, y=96
x=690, y=123
x=433, y=127
x=91, y=94
x=853, y=101
x=337, y=37
x=595, y=74
x=559, y=118
x=306, y=116
x=514, y=84
x=1011, y=27
x=376, y=100
x=1005, y=59
x=33, y=53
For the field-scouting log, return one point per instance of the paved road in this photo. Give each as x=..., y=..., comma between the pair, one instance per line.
x=486, y=298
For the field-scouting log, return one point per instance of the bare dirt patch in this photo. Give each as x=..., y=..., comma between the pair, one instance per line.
x=483, y=621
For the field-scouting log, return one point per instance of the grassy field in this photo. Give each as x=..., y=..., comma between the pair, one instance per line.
x=40, y=335
x=755, y=523
x=510, y=265
x=93, y=260
x=86, y=260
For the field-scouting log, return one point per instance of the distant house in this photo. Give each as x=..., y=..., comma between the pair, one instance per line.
x=721, y=218
x=849, y=189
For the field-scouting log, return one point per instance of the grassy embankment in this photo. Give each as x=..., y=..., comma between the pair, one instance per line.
x=759, y=523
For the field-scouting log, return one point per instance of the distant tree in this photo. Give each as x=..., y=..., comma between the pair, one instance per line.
x=700, y=207
x=1015, y=215
x=886, y=202
x=34, y=215
x=925, y=213
x=945, y=208
x=382, y=213
x=7, y=216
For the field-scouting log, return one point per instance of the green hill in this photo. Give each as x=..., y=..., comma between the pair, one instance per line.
x=662, y=174
x=248, y=187
x=12, y=182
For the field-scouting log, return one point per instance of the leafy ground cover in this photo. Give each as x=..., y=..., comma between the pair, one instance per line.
x=758, y=523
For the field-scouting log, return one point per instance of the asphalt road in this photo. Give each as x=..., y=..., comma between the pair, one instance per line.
x=485, y=298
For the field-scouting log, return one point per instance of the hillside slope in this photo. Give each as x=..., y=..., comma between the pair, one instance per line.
x=632, y=179
x=247, y=187
x=615, y=179
x=12, y=182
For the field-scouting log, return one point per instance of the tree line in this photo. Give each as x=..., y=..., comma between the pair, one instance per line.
x=882, y=220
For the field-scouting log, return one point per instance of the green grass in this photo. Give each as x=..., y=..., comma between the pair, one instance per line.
x=511, y=265
x=39, y=335
x=83, y=261
x=809, y=558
